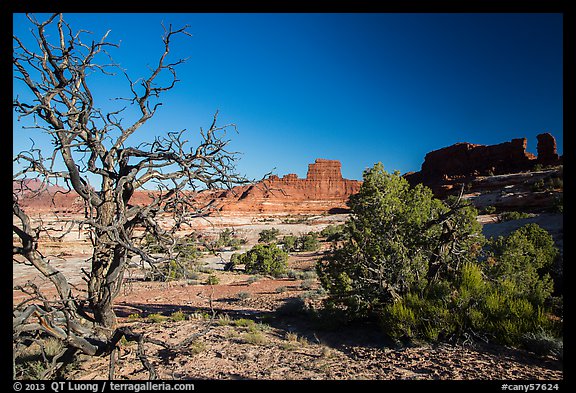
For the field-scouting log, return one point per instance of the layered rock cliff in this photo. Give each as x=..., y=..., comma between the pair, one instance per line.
x=323, y=190
x=462, y=162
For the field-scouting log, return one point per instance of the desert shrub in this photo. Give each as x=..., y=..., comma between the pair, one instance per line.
x=156, y=318
x=399, y=239
x=473, y=305
x=549, y=184
x=253, y=279
x=558, y=205
x=306, y=242
x=309, y=242
x=289, y=243
x=34, y=361
x=254, y=338
x=307, y=284
x=196, y=347
x=170, y=270
x=333, y=233
x=233, y=262
x=264, y=259
x=514, y=215
x=489, y=210
x=182, y=266
x=212, y=280
x=307, y=274
x=243, y=295
x=178, y=316
x=268, y=235
x=543, y=343
x=229, y=239
x=423, y=269
x=522, y=261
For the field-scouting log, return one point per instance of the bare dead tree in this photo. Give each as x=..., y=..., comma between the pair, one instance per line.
x=88, y=143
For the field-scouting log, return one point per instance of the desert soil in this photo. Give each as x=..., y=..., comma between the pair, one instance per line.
x=254, y=328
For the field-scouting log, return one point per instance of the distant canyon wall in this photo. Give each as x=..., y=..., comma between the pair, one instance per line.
x=324, y=190
x=464, y=161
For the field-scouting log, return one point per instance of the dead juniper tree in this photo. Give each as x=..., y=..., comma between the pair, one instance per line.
x=54, y=75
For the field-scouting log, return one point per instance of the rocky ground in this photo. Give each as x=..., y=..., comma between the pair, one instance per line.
x=255, y=327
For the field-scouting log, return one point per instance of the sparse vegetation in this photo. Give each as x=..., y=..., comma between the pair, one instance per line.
x=197, y=346
x=134, y=317
x=306, y=242
x=268, y=235
x=264, y=259
x=212, y=280
x=309, y=242
x=289, y=243
x=254, y=278
x=34, y=362
x=417, y=266
x=549, y=184
x=156, y=318
x=183, y=266
x=423, y=269
x=514, y=215
x=254, y=338
x=178, y=316
x=488, y=210
x=229, y=239
x=243, y=295
x=333, y=233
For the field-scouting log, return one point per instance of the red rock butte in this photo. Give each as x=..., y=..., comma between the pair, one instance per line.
x=463, y=161
x=324, y=190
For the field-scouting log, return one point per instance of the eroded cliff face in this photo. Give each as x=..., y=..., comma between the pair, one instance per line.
x=547, y=154
x=323, y=190
x=462, y=162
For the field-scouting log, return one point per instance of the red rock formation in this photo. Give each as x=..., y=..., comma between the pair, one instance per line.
x=547, y=154
x=322, y=191
x=464, y=159
x=462, y=162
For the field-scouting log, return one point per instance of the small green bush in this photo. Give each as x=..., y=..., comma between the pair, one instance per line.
x=228, y=238
x=489, y=210
x=254, y=338
x=306, y=242
x=268, y=235
x=134, y=317
x=178, y=316
x=309, y=242
x=289, y=243
x=212, y=280
x=333, y=233
x=156, y=318
x=243, y=295
x=265, y=259
x=514, y=215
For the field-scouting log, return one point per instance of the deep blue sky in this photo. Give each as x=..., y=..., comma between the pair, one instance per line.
x=360, y=88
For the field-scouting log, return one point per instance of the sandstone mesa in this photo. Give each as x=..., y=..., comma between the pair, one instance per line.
x=324, y=190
